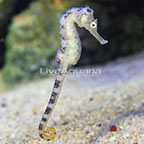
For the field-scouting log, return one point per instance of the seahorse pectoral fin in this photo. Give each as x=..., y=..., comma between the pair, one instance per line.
x=98, y=37
x=74, y=63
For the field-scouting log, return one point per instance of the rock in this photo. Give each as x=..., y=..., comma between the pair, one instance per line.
x=32, y=42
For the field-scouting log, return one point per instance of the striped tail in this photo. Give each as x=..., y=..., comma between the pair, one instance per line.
x=50, y=133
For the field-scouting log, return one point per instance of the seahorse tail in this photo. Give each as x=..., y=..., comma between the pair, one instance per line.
x=49, y=134
x=46, y=133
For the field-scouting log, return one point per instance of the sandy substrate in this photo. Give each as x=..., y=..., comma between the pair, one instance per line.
x=88, y=107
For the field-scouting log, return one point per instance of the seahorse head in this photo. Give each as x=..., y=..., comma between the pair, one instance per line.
x=85, y=18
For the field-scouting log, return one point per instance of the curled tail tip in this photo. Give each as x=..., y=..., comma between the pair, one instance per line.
x=48, y=135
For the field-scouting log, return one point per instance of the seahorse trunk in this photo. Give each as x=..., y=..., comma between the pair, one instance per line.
x=49, y=133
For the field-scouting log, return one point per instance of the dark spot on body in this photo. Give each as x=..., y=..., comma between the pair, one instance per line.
x=40, y=127
x=58, y=61
x=41, y=135
x=89, y=10
x=63, y=49
x=44, y=119
x=47, y=111
x=63, y=38
x=59, y=72
x=79, y=9
x=52, y=101
x=65, y=16
x=57, y=83
x=62, y=26
x=64, y=13
x=69, y=13
x=54, y=94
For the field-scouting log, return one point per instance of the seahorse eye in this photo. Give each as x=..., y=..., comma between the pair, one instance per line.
x=93, y=25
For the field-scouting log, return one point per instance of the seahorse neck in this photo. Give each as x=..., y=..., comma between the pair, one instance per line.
x=67, y=27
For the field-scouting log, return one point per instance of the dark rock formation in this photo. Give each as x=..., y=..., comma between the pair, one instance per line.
x=8, y=8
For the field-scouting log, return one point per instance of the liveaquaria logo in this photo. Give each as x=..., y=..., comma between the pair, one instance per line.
x=93, y=71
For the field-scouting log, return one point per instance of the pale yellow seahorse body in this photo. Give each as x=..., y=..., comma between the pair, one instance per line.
x=68, y=54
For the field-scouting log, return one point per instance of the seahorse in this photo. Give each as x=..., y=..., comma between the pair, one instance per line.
x=68, y=54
